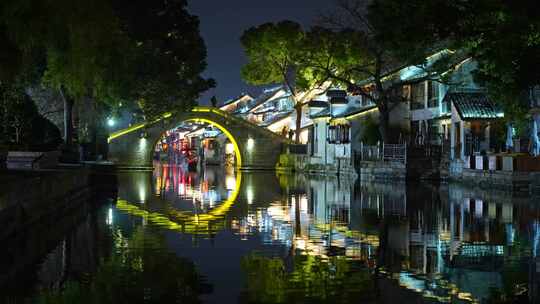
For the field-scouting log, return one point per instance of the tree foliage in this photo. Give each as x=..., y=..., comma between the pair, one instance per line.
x=114, y=52
x=169, y=56
x=364, y=61
x=277, y=54
x=312, y=279
x=21, y=126
x=502, y=36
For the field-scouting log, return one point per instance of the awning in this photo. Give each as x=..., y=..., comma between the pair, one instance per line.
x=474, y=106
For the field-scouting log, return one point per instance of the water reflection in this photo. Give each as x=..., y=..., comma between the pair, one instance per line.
x=442, y=243
x=267, y=238
x=133, y=273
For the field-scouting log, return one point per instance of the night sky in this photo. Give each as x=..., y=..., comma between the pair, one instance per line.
x=222, y=24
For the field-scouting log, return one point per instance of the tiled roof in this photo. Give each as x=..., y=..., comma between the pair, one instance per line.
x=323, y=113
x=318, y=104
x=392, y=68
x=336, y=93
x=473, y=105
x=264, y=97
x=353, y=111
x=264, y=110
x=231, y=101
x=275, y=119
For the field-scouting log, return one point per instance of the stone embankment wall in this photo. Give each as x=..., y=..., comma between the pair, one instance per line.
x=29, y=196
x=383, y=171
x=298, y=163
x=38, y=208
x=511, y=181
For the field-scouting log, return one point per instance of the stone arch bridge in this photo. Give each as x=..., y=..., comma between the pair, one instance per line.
x=256, y=148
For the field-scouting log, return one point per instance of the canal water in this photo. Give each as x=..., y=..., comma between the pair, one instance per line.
x=228, y=237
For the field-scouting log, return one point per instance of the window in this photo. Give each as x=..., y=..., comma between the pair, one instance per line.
x=417, y=96
x=433, y=94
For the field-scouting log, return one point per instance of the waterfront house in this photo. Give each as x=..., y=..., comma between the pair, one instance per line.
x=234, y=105
x=473, y=118
x=337, y=129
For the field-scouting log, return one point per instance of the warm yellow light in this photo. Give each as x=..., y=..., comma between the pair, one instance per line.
x=143, y=142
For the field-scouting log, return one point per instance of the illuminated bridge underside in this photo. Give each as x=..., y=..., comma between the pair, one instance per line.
x=130, y=149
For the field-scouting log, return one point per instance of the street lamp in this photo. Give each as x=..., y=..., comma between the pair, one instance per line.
x=111, y=122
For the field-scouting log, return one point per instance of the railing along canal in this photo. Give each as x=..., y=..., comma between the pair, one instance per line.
x=383, y=152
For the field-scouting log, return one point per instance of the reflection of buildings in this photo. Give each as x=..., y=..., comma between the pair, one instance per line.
x=446, y=245
x=187, y=190
x=54, y=251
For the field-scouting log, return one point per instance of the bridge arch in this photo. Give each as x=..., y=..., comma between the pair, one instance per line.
x=231, y=138
x=256, y=148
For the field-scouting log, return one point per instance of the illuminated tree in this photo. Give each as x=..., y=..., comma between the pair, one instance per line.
x=276, y=55
x=363, y=62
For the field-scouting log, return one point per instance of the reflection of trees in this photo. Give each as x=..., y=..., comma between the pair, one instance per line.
x=139, y=271
x=516, y=277
x=312, y=279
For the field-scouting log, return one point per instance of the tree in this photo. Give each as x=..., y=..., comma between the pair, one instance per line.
x=363, y=63
x=276, y=54
x=21, y=125
x=80, y=43
x=113, y=51
x=170, y=55
x=503, y=37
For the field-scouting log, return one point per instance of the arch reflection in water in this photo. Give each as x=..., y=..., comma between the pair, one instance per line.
x=188, y=202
